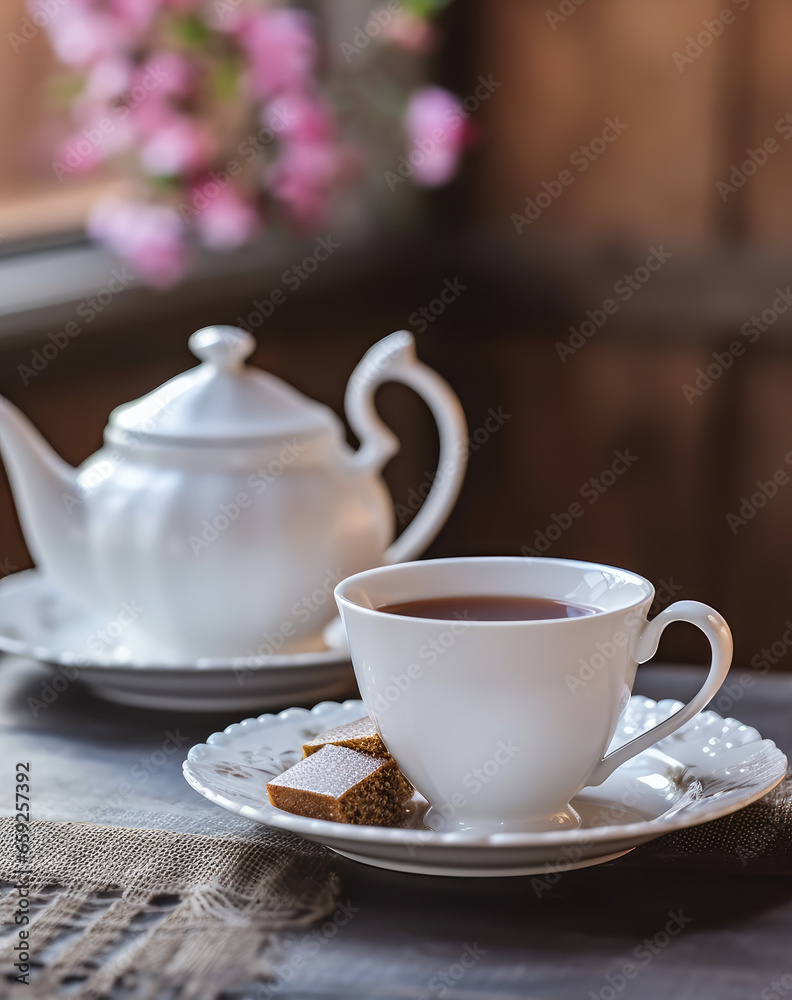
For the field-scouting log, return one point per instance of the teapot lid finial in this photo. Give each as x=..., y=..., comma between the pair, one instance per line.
x=225, y=347
x=223, y=400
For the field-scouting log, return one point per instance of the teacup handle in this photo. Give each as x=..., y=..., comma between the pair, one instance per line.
x=717, y=631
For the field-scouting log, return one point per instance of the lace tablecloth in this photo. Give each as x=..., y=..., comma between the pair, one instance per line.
x=147, y=891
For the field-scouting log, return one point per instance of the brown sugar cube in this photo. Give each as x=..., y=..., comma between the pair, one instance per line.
x=359, y=735
x=343, y=785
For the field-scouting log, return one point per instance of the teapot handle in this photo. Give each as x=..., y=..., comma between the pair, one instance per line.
x=394, y=360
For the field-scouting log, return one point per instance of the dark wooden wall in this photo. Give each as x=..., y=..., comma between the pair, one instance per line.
x=565, y=423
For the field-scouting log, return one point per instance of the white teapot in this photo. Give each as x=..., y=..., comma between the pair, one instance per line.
x=225, y=505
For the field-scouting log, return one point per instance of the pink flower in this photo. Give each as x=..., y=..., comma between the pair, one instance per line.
x=303, y=178
x=151, y=114
x=225, y=219
x=84, y=31
x=150, y=238
x=437, y=132
x=310, y=162
x=300, y=118
x=168, y=73
x=108, y=78
x=280, y=48
x=135, y=16
x=178, y=145
x=79, y=34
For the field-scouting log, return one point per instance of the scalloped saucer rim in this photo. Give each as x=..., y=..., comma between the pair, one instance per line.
x=695, y=781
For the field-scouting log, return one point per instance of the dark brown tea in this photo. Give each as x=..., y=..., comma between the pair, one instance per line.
x=489, y=608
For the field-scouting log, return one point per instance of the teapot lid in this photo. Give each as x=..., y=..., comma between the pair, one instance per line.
x=222, y=399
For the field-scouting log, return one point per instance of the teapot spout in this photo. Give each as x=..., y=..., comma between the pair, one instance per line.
x=45, y=491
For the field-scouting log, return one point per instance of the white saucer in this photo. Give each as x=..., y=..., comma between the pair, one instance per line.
x=38, y=621
x=709, y=768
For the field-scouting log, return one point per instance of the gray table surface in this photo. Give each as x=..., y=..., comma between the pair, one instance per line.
x=92, y=761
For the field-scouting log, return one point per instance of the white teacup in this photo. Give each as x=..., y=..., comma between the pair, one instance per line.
x=500, y=723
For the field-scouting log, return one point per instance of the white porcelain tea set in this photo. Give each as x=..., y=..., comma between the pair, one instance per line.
x=199, y=560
